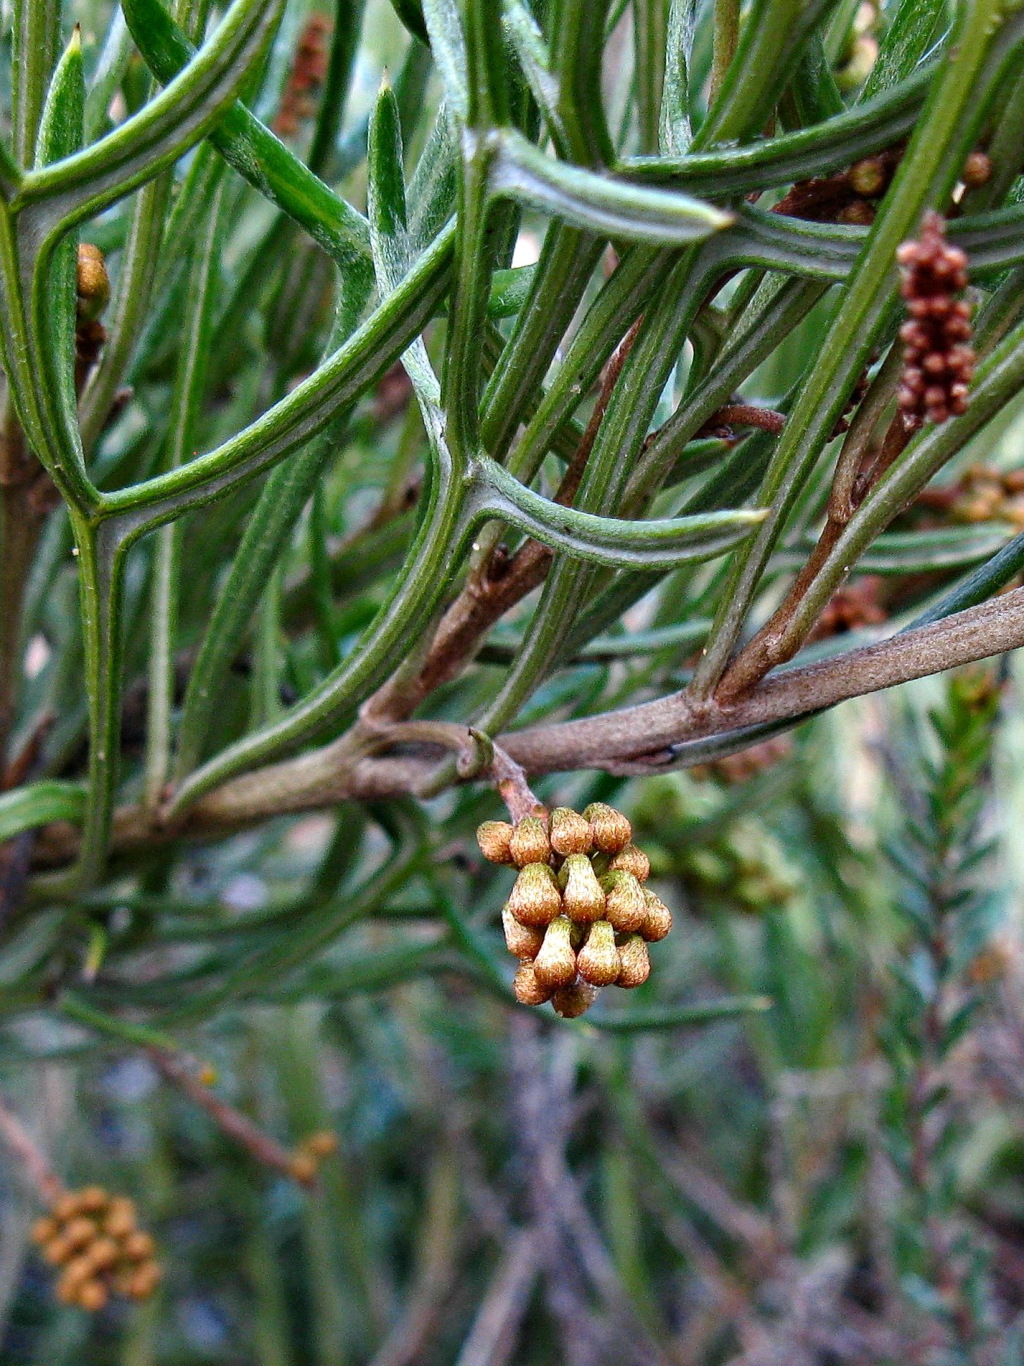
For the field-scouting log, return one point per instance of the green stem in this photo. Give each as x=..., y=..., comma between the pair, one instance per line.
x=35, y=43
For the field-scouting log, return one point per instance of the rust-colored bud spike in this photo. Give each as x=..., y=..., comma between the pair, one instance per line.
x=535, y=899
x=938, y=362
x=574, y=1000
x=494, y=838
x=609, y=829
x=522, y=941
x=626, y=907
x=598, y=960
x=555, y=964
x=635, y=962
x=529, y=842
x=528, y=991
x=570, y=832
x=632, y=860
x=657, y=918
x=582, y=897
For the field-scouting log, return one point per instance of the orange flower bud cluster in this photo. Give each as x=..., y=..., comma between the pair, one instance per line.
x=306, y=1160
x=938, y=360
x=95, y=1240
x=579, y=917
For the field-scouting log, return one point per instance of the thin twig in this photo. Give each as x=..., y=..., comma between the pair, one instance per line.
x=33, y=1161
x=230, y=1121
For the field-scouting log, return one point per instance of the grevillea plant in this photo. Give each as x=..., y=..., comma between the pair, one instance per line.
x=588, y=393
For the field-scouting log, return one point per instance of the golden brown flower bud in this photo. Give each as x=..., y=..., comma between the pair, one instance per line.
x=574, y=1000
x=555, y=965
x=57, y=1250
x=633, y=860
x=609, y=829
x=104, y=1252
x=80, y=1231
x=598, y=960
x=120, y=1220
x=65, y=1207
x=92, y=1296
x=635, y=961
x=43, y=1230
x=626, y=907
x=303, y=1168
x=529, y=842
x=91, y=1199
x=570, y=832
x=139, y=1246
x=93, y=282
x=657, y=918
x=867, y=177
x=144, y=1281
x=322, y=1143
x=77, y=1271
x=522, y=941
x=977, y=169
x=493, y=838
x=67, y=1291
x=582, y=897
x=535, y=899
x=528, y=991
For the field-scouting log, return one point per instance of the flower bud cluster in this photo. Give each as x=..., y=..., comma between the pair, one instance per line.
x=579, y=917
x=938, y=360
x=95, y=1240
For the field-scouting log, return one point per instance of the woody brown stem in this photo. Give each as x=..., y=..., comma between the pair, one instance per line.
x=775, y=643
x=489, y=594
x=21, y=521
x=744, y=415
x=26, y=1152
x=230, y=1121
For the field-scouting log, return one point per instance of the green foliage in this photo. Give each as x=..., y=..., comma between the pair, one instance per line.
x=487, y=382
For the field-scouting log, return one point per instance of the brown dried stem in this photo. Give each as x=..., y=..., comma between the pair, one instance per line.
x=32, y=1160
x=230, y=1121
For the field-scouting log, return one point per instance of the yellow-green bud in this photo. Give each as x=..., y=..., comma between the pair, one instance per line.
x=609, y=829
x=528, y=991
x=535, y=898
x=657, y=918
x=570, y=832
x=555, y=965
x=867, y=177
x=625, y=907
x=574, y=1000
x=858, y=68
x=493, y=838
x=523, y=941
x=635, y=962
x=598, y=960
x=529, y=842
x=632, y=860
x=582, y=897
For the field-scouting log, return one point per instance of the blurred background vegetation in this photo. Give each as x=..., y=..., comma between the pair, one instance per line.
x=803, y=1139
